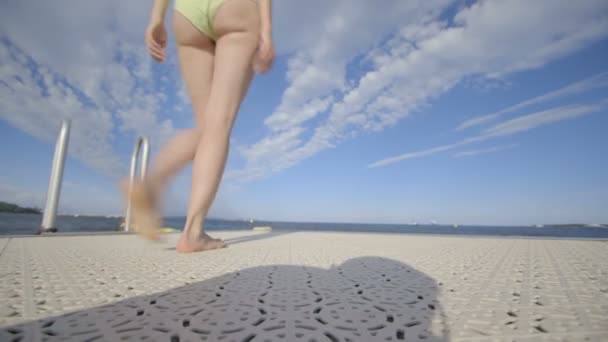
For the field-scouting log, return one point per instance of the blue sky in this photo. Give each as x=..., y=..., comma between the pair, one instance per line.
x=465, y=112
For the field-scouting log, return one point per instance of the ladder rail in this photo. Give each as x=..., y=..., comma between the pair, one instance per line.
x=49, y=218
x=140, y=145
x=56, y=177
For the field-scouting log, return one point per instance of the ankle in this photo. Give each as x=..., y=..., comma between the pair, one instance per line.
x=194, y=226
x=191, y=233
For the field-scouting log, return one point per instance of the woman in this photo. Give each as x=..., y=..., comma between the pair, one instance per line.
x=219, y=44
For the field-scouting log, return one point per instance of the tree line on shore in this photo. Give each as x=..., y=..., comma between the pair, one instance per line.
x=6, y=207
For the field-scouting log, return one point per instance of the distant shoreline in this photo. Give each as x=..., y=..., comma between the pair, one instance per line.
x=12, y=208
x=578, y=225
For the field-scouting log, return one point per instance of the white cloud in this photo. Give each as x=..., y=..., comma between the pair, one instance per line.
x=471, y=153
x=537, y=119
x=86, y=61
x=282, y=120
x=423, y=58
x=510, y=127
x=39, y=115
x=341, y=31
x=593, y=82
x=418, y=154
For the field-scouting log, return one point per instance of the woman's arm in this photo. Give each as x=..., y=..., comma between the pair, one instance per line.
x=265, y=18
x=265, y=55
x=159, y=9
x=156, y=35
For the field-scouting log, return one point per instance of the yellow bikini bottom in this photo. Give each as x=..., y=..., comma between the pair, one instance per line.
x=200, y=13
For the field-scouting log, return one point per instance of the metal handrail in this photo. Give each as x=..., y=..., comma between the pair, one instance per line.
x=142, y=142
x=52, y=200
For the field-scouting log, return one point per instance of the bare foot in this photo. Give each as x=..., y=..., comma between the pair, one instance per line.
x=204, y=242
x=146, y=218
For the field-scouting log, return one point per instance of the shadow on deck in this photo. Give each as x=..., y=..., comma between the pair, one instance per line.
x=363, y=299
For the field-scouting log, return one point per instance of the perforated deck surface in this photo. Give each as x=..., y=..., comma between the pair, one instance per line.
x=304, y=286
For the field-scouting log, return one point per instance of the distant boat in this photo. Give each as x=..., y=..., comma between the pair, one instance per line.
x=455, y=226
x=539, y=225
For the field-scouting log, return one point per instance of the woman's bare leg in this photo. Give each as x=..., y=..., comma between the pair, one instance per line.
x=237, y=24
x=196, y=56
x=172, y=157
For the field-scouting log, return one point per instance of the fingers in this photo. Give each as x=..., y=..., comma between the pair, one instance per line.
x=158, y=55
x=261, y=66
x=155, y=50
x=156, y=46
x=264, y=61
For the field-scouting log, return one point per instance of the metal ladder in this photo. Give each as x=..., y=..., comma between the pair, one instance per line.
x=142, y=142
x=50, y=212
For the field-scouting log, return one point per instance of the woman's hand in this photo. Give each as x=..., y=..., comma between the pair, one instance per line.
x=156, y=40
x=265, y=55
